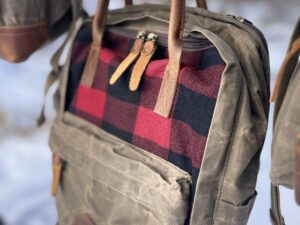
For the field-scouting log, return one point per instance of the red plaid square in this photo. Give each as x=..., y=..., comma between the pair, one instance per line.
x=152, y=126
x=185, y=141
x=119, y=113
x=91, y=101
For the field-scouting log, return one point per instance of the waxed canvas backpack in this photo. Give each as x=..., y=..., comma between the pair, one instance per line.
x=285, y=168
x=25, y=25
x=162, y=115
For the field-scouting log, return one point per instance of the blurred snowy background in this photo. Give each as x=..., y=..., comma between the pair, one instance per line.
x=25, y=160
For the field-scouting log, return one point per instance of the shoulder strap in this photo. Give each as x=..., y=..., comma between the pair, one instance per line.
x=275, y=211
x=289, y=62
x=77, y=12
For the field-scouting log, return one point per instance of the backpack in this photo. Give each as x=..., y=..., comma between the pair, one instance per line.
x=25, y=25
x=286, y=140
x=161, y=117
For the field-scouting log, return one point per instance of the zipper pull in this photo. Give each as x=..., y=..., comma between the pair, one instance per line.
x=240, y=19
x=141, y=64
x=57, y=169
x=134, y=53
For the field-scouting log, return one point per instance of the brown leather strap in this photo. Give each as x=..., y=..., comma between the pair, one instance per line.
x=275, y=211
x=290, y=61
x=128, y=2
x=97, y=33
x=168, y=87
x=83, y=219
x=202, y=4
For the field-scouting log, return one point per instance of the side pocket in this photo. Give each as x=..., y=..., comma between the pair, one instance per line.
x=228, y=214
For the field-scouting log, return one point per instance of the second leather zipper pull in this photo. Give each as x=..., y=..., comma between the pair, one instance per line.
x=133, y=55
x=141, y=64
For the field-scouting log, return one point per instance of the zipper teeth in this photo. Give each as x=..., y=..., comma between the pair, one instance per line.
x=252, y=27
x=189, y=43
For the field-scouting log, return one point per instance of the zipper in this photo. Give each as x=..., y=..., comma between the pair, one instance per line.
x=251, y=26
x=240, y=19
x=133, y=55
x=189, y=43
x=144, y=59
x=259, y=37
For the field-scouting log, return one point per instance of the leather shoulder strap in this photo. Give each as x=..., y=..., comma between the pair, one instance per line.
x=289, y=62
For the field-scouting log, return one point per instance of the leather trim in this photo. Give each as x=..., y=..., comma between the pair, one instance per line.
x=293, y=53
x=202, y=4
x=128, y=2
x=18, y=42
x=297, y=171
x=97, y=33
x=169, y=83
x=83, y=219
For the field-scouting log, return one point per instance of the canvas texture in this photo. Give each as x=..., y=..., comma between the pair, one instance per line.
x=181, y=138
x=286, y=122
x=26, y=25
x=125, y=163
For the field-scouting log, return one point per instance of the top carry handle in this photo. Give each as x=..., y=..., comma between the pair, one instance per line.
x=169, y=82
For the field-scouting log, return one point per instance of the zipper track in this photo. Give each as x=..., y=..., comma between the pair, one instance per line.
x=252, y=27
x=189, y=43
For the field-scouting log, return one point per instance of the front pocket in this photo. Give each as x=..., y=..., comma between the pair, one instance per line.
x=125, y=184
x=228, y=214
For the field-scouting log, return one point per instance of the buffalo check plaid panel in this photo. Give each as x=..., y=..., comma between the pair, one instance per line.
x=179, y=139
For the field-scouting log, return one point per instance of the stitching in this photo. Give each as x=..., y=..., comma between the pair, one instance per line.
x=93, y=180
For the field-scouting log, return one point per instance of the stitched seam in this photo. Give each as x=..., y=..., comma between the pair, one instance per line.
x=131, y=177
x=123, y=194
x=113, y=139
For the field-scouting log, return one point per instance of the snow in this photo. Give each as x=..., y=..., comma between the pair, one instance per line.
x=25, y=159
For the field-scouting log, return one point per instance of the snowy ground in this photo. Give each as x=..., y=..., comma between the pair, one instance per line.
x=25, y=172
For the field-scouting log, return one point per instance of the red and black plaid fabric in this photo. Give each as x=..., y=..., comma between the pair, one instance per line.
x=179, y=139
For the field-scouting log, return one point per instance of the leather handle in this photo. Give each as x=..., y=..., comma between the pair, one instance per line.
x=102, y=8
x=169, y=83
x=98, y=27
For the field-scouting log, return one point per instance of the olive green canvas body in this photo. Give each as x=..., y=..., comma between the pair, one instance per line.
x=117, y=183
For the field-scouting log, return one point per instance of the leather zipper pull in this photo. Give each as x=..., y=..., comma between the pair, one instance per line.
x=57, y=164
x=141, y=64
x=133, y=55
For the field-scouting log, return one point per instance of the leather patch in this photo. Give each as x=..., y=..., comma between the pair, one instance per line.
x=297, y=171
x=18, y=42
x=83, y=219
